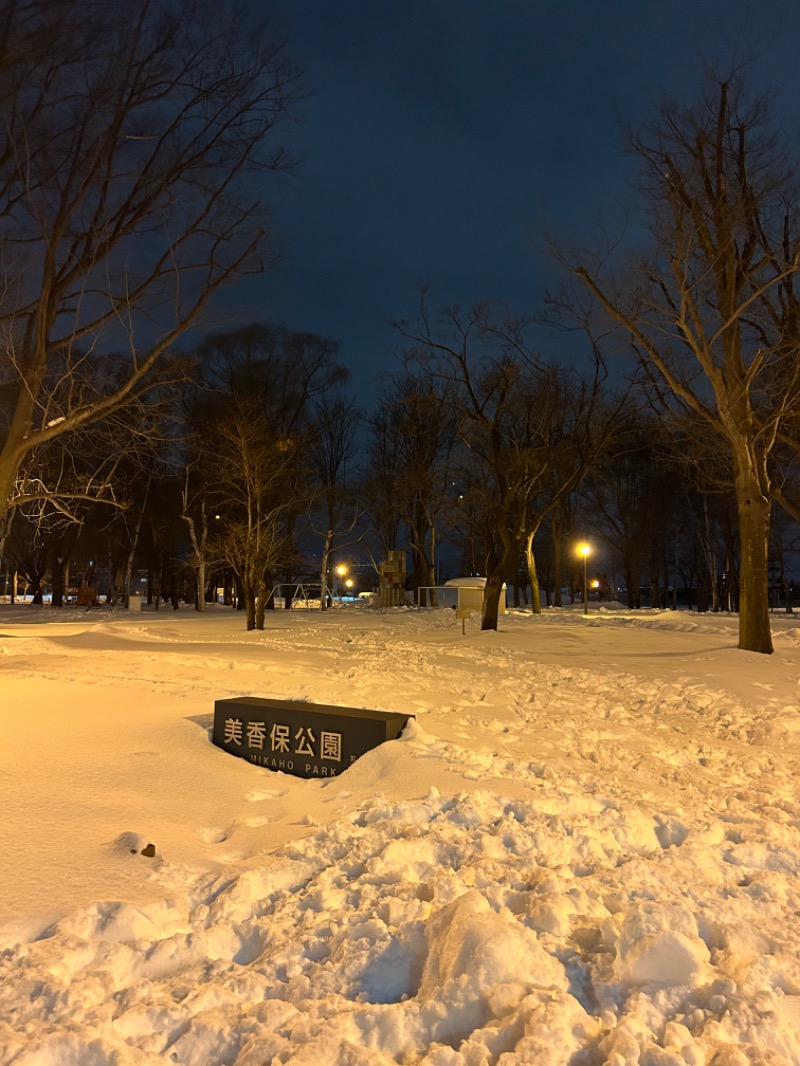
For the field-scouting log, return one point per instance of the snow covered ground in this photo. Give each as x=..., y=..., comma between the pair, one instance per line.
x=584, y=850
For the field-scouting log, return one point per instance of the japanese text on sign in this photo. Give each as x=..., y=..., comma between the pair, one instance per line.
x=322, y=744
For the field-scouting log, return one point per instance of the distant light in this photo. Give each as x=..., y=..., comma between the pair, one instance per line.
x=584, y=549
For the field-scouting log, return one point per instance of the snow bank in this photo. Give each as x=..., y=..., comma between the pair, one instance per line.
x=585, y=849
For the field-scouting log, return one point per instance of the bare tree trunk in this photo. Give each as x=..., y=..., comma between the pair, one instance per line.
x=665, y=577
x=134, y=544
x=557, y=558
x=198, y=550
x=655, y=591
x=419, y=528
x=261, y=604
x=198, y=544
x=250, y=608
x=491, y=601
x=496, y=578
x=754, y=516
x=57, y=580
x=323, y=570
x=536, y=599
x=710, y=559
x=6, y=518
x=432, y=566
x=252, y=602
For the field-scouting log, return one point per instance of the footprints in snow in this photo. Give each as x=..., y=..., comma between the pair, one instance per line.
x=221, y=835
x=256, y=795
x=214, y=835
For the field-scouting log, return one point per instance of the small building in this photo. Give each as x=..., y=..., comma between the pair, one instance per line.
x=470, y=593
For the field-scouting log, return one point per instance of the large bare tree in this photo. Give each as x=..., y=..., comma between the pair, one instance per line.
x=249, y=446
x=331, y=446
x=414, y=428
x=256, y=482
x=529, y=429
x=131, y=140
x=712, y=311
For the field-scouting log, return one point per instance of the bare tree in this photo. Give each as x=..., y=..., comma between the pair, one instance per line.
x=531, y=429
x=284, y=371
x=331, y=446
x=416, y=425
x=630, y=500
x=130, y=138
x=383, y=466
x=195, y=515
x=713, y=313
x=255, y=484
x=250, y=448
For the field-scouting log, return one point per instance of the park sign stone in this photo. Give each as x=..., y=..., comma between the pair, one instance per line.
x=304, y=739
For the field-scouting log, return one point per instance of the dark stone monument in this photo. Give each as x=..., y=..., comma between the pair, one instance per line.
x=304, y=739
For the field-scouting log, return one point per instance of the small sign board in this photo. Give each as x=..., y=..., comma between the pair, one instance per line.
x=304, y=739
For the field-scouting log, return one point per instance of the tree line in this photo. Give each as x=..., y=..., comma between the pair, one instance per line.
x=136, y=148
x=257, y=472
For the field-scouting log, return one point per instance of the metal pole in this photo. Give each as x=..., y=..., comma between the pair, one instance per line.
x=585, y=585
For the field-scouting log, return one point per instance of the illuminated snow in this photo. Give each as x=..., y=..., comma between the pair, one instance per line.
x=586, y=847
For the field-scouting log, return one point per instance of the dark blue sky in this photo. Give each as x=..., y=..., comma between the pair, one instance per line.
x=443, y=135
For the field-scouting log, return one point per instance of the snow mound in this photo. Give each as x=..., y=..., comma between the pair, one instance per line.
x=659, y=943
x=589, y=851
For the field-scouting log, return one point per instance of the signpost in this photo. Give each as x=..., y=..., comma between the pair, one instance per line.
x=304, y=739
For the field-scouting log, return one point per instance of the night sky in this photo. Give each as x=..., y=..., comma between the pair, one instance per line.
x=444, y=136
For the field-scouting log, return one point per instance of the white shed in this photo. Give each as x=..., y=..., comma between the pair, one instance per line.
x=470, y=593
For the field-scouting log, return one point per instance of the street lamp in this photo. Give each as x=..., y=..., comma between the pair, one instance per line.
x=341, y=570
x=585, y=550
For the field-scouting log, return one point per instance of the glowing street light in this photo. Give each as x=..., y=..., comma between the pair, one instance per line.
x=341, y=570
x=585, y=550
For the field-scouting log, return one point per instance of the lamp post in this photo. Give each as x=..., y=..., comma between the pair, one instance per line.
x=341, y=571
x=585, y=550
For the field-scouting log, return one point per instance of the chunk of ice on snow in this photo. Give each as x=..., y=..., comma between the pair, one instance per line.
x=659, y=944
